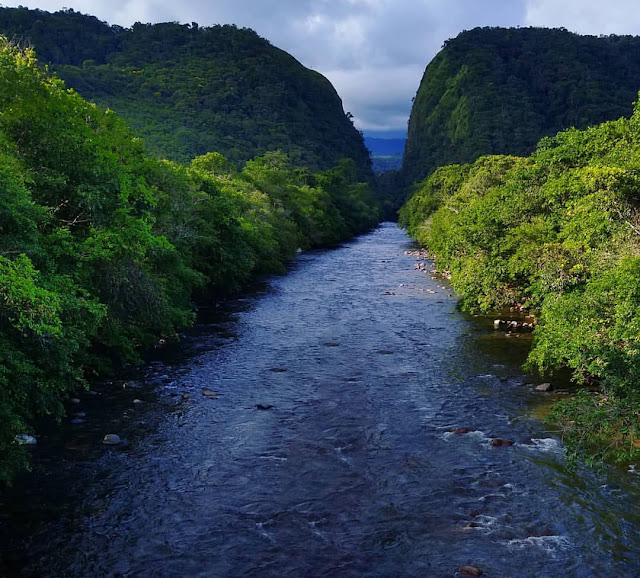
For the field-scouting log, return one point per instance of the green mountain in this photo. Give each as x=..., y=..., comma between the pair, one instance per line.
x=189, y=90
x=498, y=91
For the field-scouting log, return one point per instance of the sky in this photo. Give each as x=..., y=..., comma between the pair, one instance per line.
x=373, y=51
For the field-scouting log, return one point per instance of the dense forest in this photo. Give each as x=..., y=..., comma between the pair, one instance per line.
x=189, y=90
x=103, y=248
x=556, y=235
x=498, y=91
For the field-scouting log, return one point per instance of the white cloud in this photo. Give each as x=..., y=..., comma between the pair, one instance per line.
x=586, y=17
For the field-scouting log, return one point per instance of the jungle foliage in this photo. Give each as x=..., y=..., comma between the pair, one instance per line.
x=103, y=247
x=188, y=90
x=557, y=234
x=498, y=91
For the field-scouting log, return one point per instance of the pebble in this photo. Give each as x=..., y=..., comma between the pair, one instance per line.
x=111, y=440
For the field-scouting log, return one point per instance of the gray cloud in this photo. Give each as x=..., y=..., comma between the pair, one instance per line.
x=373, y=51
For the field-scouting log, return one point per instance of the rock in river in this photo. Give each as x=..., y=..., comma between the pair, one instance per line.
x=111, y=440
x=497, y=442
x=469, y=571
x=25, y=440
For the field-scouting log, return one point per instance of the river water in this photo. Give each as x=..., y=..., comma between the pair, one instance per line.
x=323, y=447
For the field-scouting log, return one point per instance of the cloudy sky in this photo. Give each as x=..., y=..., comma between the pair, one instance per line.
x=373, y=51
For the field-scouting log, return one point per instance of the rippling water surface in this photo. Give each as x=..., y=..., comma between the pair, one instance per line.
x=323, y=448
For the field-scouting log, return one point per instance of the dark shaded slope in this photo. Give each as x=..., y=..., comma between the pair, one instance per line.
x=497, y=91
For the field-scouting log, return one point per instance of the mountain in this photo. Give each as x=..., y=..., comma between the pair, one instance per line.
x=498, y=91
x=189, y=90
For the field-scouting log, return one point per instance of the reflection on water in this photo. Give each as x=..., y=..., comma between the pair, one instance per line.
x=323, y=447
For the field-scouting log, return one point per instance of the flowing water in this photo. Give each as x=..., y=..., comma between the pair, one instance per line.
x=322, y=448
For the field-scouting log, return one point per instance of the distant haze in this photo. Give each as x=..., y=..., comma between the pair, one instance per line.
x=373, y=51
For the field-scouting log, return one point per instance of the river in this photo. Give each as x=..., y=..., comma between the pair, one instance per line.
x=323, y=447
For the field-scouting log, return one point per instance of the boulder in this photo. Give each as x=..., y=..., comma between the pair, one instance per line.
x=544, y=387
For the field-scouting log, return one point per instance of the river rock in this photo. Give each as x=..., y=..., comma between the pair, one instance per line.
x=111, y=440
x=544, y=387
x=137, y=401
x=25, y=440
x=206, y=392
x=460, y=430
x=264, y=406
x=469, y=571
x=497, y=442
x=471, y=525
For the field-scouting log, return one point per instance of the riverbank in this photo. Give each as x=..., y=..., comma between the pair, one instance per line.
x=556, y=236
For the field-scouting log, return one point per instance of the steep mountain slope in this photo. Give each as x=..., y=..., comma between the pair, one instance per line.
x=498, y=91
x=189, y=90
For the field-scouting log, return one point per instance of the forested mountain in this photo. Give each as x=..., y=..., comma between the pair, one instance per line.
x=189, y=90
x=498, y=91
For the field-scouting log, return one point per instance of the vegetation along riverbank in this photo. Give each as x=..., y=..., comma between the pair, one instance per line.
x=556, y=234
x=103, y=248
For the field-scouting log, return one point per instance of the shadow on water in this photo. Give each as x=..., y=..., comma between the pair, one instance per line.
x=335, y=422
